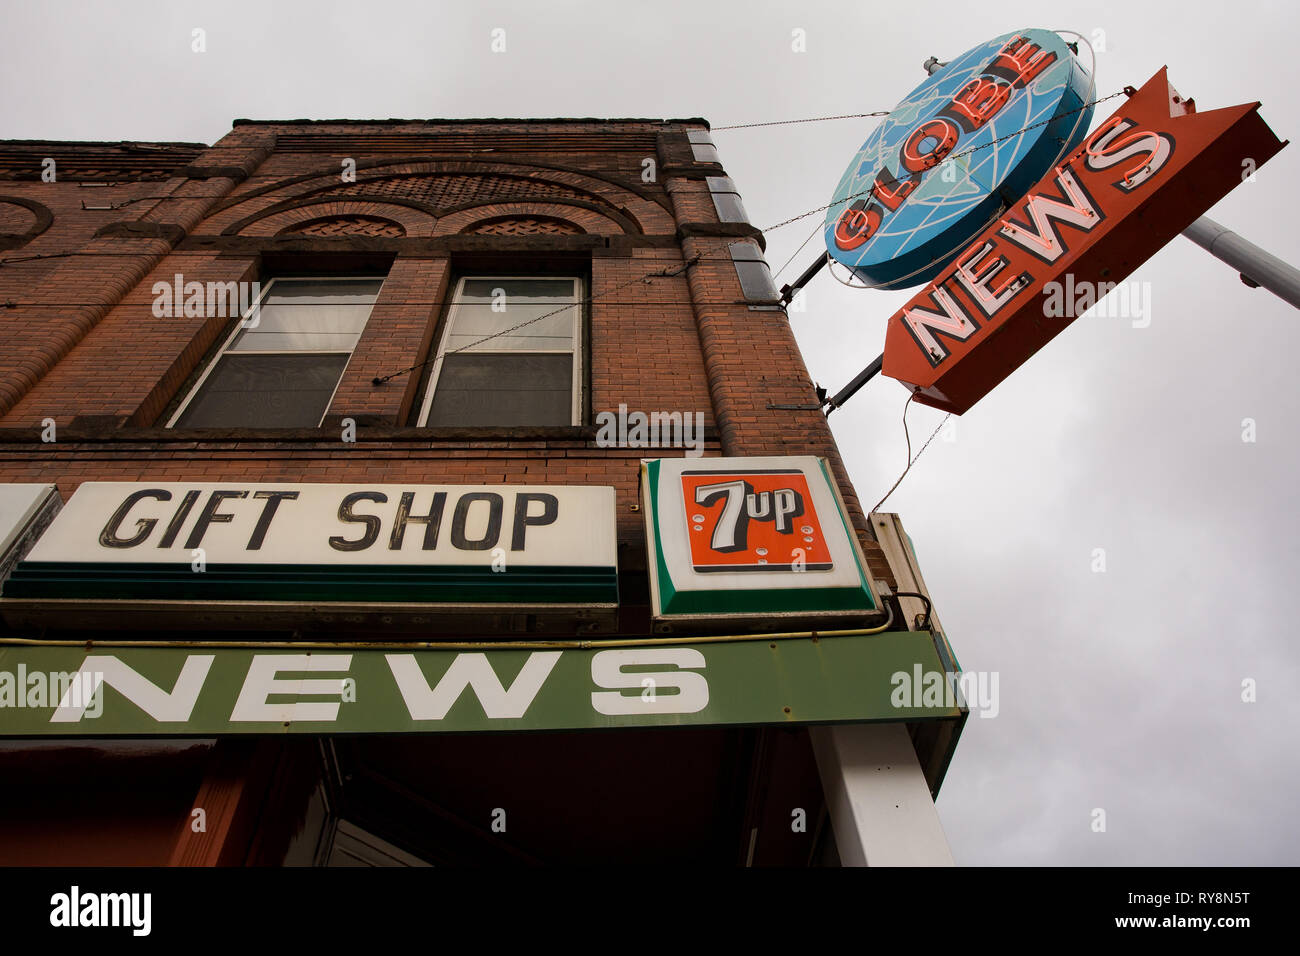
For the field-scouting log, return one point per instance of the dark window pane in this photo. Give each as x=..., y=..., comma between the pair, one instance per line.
x=729, y=207
x=746, y=251
x=755, y=278
x=270, y=391
x=702, y=146
x=478, y=390
x=756, y=281
x=555, y=291
x=361, y=291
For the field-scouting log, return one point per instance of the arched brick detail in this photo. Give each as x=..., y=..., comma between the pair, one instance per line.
x=376, y=183
x=582, y=220
x=15, y=220
x=523, y=226
x=414, y=222
x=21, y=221
x=446, y=190
x=326, y=227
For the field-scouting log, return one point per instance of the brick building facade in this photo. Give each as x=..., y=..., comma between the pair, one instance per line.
x=678, y=315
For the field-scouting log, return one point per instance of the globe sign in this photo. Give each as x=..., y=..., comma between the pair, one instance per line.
x=945, y=161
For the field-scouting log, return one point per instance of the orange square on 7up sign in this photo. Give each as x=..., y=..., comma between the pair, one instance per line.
x=752, y=521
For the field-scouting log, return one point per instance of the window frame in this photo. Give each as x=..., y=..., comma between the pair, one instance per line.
x=703, y=149
x=239, y=326
x=763, y=303
x=579, y=383
x=725, y=186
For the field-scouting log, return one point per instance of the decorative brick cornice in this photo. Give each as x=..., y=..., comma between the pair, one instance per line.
x=723, y=230
x=238, y=174
x=168, y=232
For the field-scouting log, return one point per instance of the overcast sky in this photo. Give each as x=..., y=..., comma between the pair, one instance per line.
x=1119, y=690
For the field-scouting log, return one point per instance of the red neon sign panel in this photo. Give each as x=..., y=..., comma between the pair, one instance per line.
x=1138, y=180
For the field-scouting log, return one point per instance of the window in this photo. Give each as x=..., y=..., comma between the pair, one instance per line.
x=510, y=354
x=282, y=363
x=755, y=278
x=702, y=148
x=726, y=200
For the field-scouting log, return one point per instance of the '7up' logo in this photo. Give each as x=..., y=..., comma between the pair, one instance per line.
x=743, y=504
x=752, y=521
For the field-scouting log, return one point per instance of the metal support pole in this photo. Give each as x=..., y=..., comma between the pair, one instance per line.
x=866, y=375
x=788, y=291
x=1256, y=267
x=879, y=803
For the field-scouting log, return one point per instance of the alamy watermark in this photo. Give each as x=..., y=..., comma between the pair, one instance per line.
x=626, y=429
x=1111, y=300
x=207, y=299
x=23, y=688
x=978, y=690
x=77, y=908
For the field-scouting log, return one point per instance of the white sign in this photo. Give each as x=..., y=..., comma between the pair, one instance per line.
x=295, y=524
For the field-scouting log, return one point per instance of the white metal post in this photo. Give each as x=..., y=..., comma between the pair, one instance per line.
x=879, y=803
x=1254, y=264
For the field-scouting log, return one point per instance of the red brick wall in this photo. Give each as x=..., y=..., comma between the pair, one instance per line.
x=397, y=336
x=82, y=346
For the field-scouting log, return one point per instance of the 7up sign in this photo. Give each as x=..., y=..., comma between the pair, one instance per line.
x=748, y=538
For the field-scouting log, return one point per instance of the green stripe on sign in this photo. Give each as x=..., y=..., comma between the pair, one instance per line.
x=314, y=582
x=767, y=600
